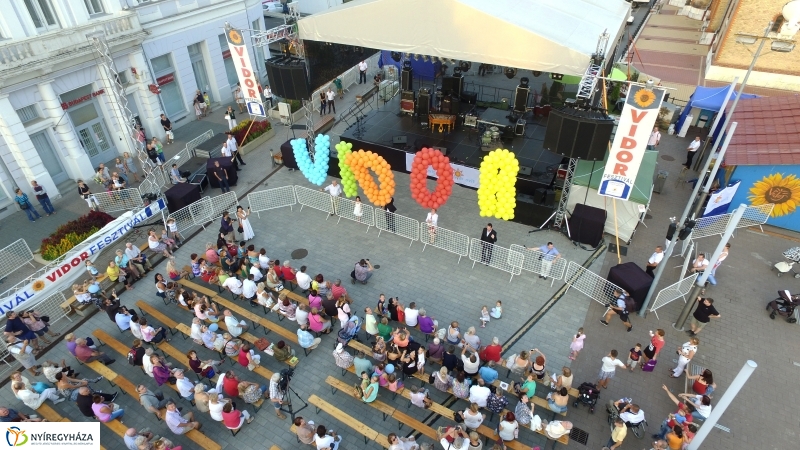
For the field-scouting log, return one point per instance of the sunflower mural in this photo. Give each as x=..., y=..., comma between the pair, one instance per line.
x=782, y=191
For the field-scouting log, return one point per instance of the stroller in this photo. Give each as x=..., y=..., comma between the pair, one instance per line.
x=349, y=331
x=785, y=306
x=588, y=394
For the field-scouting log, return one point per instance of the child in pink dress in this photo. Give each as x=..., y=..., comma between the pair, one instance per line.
x=577, y=344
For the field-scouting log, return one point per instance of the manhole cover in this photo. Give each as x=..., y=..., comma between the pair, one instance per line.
x=300, y=253
x=667, y=158
x=579, y=435
x=376, y=266
x=648, y=216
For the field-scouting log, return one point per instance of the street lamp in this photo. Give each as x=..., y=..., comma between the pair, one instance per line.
x=785, y=45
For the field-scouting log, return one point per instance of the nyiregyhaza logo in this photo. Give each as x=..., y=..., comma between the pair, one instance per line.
x=16, y=437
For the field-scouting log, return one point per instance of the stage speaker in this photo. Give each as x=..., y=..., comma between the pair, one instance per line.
x=441, y=149
x=469, y=97
x=406, y=79
x=538, y=195
x=447, y=85
x=586, y=224
x=287, y=76
x=525, y=170
x=521, y=99
x=450, y=105
x=578, y=134
x=458, y=84
x=421, y=143
x=424, y=103
x=550, y=198
x=520, y=129
x=508, y=133
x=400, y=140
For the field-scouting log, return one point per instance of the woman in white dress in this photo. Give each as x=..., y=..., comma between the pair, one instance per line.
x=358, y=209
x=244, y=223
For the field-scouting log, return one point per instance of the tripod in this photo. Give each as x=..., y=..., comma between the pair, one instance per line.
x=287, y=402
x=359, y=127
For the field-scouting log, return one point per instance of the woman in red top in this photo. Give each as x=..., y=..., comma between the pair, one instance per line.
x=233, y=418
x=230, y=384
x=491, y=352
x=656, y=344
x=703, y=383
x=211, y=254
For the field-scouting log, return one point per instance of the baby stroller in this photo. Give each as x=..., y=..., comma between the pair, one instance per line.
x=588, y=393
x=784, y=305
x=349, y=331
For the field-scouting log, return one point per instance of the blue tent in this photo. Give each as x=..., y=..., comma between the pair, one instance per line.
x=708, y=98
x=426, y=70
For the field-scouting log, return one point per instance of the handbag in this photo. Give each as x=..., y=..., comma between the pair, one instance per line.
x=431, y=378
x=227, y=117
x=261, y=344
x=649, y=366
x=241, y=229
x=457, y=417
x=23, y=205
x=45, y=319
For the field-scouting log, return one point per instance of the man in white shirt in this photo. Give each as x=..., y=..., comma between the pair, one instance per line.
x=691, y=150
x=235, y=327
x=234, y=285
x=177, y=423
x=472, y=363
x=255, y=271
x=226, y=152
x=136, y=258
x=184, y=385
x=479, y=393
x=433, y=221
x=362, y=72
x=303, y=280
x=335, y=189
x=233, y=147
x=330, y=96
x=631, y=414
x=699, y=264
x=654, y=260
x=655, y=139
x=412, y=315
x=268, y=95
x=175, y=175
x=249, y=289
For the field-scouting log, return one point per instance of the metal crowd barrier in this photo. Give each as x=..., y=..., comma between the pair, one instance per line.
x=271, y=199
x=13, y=256
x=346, y=209
x=496, y=256
x=314, y=199
x=596, y=287
x=397, y=224
x=122, y=200
x=536, y=263
x=673, y=292
x=444, y=239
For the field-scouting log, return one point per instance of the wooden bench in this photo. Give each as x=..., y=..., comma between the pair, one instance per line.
x=149, y=310
x=340, y=385
x=191, y=285
x=47, y=412
x=368, y=433
x=358, y=346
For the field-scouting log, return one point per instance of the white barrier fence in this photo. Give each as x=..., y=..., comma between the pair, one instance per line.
x=122, y=200
x=271, y=199
x=715, y=225
x=536, y=262
x=196, y=214
x=191, y=145
x=397, y=224
x=13, y=256
x=346, y=208
x=673, y=292
x=596, y=287
x=224, y=202
x=495, y=256
x=314, y=199
x=444, y=239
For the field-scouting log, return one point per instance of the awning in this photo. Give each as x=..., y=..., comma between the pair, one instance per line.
x=544, y=35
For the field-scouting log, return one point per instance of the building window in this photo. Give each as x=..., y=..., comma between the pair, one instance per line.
x=94, y=7
x=122, y=78
x=230, y=70
x=171, y=95
x=28, y=114
x=42, y=14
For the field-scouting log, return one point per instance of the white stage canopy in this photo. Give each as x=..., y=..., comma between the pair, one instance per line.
x=546, y=35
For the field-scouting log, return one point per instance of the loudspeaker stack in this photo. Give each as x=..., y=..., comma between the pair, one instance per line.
x=424, y=103
x=287, y=77
x=578, y=133
x=406, y=79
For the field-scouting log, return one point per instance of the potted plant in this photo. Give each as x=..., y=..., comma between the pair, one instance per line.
x=260, y=132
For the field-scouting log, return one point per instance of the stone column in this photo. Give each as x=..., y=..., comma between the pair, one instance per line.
x=77, y=162
x=22, y=159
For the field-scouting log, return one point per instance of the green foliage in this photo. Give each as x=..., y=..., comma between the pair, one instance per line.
x=73, y=233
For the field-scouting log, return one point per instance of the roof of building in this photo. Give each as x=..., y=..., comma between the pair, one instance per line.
x=767, y=133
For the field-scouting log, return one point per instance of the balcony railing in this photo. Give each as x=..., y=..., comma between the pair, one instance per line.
x=69, y=43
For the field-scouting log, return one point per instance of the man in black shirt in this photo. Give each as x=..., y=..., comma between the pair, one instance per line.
x=226, y=226
x=84, y=400
x=222, y=176
x=16, y=327
x=167, y=125
x=450, y=360
x=703, y=314
x=489, y=236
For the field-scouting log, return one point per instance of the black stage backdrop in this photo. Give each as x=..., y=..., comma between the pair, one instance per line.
x=327, y=61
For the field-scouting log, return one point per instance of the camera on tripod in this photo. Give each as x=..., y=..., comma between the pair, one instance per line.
x=286, y=377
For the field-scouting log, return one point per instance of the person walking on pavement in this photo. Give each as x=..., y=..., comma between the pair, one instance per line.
x=703, y=314
x=691, y=150
x=488, y=238
x=167, y=125
x=712, y=277
x=654, y=261
x=362, y=72
x=621, y=308
x=335, y=189
x=26, y=205
x=222, y=177
x=686, y=352
x=44, y=199
x=201, y=101
x=234, y=148
x=655, y=139
x=391, y=210
x=330, y=96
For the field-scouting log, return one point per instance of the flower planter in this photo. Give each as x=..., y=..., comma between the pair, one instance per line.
x=255, y=143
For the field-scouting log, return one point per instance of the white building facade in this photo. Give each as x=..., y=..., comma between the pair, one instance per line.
x=58, y=120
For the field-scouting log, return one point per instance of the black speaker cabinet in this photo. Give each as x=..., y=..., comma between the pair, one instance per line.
x=521, y=99
x=424, y=104
x=287, y=76
x=586, y=224
x=450, y=105
x=578, y=134
x=406, y=79
x=447, y=85
x=469, y=97
x=458, y=84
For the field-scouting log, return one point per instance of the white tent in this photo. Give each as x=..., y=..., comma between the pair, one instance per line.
x=546, y=35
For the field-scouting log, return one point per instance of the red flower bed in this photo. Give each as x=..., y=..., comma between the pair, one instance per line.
x=73, y=233
x=259, y=127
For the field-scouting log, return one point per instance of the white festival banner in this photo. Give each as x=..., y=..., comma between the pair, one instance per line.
x=244, y=70
x=463, y=175
x=636, y=122
x=59, y=276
